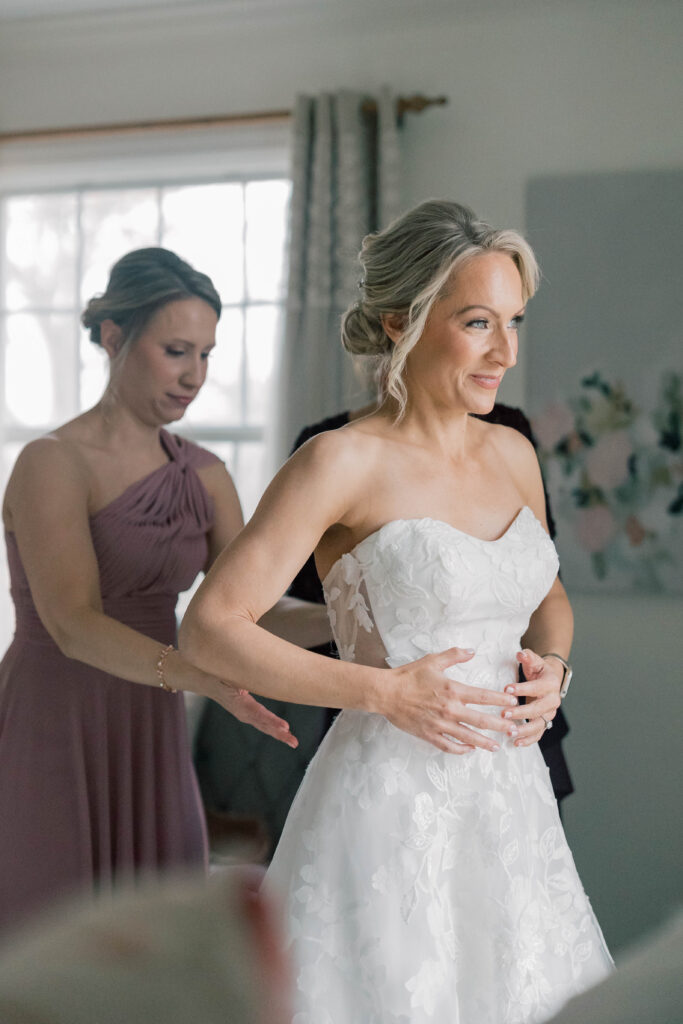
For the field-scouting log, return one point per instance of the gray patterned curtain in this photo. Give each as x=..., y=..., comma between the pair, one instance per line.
x=345, y=184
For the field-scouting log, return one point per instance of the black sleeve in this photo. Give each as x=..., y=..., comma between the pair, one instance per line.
x=525, y=428
x=509, y=416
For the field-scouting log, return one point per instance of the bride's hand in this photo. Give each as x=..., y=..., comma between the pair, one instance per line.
x=542, y=692
x=246, y=709
x=426, y=703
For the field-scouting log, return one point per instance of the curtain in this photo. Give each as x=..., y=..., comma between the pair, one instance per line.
x=345, y=184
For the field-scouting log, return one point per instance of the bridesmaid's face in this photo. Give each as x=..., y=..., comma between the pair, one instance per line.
x=166, y=366
x=470, y=338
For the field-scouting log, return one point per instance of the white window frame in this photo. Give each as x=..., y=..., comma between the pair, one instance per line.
x=156, y=160
x=235, y=432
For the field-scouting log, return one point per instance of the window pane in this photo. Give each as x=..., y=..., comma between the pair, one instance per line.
x=94, y=371
x=181, y=607
x=204, y=224
x=40, y=369
x=225, y=450
x=249, y=474
x=246, y=463
x=9, y=452
x=266, y=212
x=40, y=251
x=113, y=222
x=220, y=401
x=263, y=329
x=8, y=456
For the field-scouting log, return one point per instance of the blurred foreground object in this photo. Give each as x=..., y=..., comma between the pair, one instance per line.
x=178, y=951
x=647, y=987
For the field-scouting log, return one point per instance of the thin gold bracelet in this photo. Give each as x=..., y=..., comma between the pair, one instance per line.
x=165, y=651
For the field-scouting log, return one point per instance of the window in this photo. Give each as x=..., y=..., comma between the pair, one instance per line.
x=57, y=249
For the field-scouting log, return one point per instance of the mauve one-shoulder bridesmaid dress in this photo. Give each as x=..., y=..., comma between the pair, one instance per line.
x=96, y=777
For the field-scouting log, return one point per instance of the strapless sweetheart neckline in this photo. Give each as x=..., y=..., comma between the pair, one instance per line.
x=375, y=534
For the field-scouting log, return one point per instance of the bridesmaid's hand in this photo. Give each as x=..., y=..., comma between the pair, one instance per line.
x=428, y=704
x=246, y=709
x=542, y=692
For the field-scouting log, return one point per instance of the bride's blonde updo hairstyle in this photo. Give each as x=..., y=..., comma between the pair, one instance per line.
x=406, y=268
x=140, y=283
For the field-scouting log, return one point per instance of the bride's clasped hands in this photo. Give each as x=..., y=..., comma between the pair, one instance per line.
x=444, y=711
x=541, y=693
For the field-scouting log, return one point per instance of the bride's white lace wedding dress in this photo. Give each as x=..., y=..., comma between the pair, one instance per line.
x=421, y=886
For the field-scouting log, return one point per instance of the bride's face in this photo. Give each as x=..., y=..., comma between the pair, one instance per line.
x=470, y=338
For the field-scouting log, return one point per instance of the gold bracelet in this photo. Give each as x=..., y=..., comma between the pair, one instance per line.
x=165, y=651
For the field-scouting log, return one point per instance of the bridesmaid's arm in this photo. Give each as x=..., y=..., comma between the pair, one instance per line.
x=47, y=509
x=228, y=519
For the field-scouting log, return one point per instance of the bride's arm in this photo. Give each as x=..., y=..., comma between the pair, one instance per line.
x=316, y=489
x=303, y=623
x=220, y=627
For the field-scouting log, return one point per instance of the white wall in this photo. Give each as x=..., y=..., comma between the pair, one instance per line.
x=558, y=87
x=548, y=87
x=624, y=750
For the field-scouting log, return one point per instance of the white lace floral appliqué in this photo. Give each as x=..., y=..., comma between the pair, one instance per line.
x=421, y=887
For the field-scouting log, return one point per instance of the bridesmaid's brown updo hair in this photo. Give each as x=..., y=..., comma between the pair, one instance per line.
x=140, y=283
x=406, y=268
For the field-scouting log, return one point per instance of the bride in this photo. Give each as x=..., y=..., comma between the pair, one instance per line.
x=423, y=868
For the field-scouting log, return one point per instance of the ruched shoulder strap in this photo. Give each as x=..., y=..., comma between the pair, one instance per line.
x=187, y=453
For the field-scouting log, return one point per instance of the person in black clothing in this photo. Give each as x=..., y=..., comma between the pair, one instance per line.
x=308, y=587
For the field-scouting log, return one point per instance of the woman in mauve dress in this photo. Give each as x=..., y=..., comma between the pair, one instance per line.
x=107, y=519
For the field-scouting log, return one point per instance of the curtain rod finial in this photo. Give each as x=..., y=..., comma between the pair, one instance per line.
x=417, y=103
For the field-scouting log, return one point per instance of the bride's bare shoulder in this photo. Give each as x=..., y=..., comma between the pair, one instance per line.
x=353, y=448
x=506, y=440
x=509, y=448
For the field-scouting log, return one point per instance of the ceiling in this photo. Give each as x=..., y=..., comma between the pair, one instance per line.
x=25, y=10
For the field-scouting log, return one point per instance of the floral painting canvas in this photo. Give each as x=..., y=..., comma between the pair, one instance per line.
x=605, y=375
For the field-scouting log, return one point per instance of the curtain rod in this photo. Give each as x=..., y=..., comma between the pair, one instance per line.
x=404, y=105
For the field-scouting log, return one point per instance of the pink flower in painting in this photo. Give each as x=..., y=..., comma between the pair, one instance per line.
x=574, y=443
x=635, y=531
x=595, y=527
x=553, y=424
x=607, y=461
